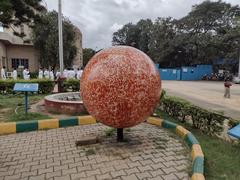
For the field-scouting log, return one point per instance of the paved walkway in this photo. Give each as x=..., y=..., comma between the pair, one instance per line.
x=206, y=94
x=149, y=153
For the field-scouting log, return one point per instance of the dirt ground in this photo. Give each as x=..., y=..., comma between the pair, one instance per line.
x=206, y=94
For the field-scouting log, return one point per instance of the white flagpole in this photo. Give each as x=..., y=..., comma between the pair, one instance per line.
x=60, y=36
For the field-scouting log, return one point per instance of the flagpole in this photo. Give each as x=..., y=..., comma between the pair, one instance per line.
x=60, y=36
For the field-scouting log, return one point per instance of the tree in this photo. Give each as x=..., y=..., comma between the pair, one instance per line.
x=88, y=53
x=206, y=25
x=128, y=35
x=16, y=12
x=209, y=32
x=136, y=35
x=45, y=39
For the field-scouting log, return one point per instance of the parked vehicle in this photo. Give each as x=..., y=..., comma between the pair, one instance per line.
x=236, y=80
x=217, y=77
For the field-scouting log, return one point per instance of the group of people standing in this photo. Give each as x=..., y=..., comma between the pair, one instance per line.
x=69, y=73
x=26, y=74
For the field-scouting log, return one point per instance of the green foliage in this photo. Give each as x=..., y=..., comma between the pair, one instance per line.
x=88, y=53
x=45, y=86
x=16, y=12
x=90, y=152
x=9, y=102
x=221, y=158
x=134, y=35
x=232, y=123
x=72, y=85
x=208, y=122
x=45, y=39
x=33, y=75
x=163, y=94
x=110, y=132
x=210, y=31
x=30, y=116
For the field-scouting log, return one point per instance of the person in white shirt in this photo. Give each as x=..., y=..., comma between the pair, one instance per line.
x=26, y=75
x=51, y=74
x=3, y=73
x=65, y=73
x=14, y=74
x=79, y=73
x=71, y=74
x=46, y=74
x=40, y=73
x=58, y=74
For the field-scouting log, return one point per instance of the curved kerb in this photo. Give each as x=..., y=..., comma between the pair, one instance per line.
x=196, y=151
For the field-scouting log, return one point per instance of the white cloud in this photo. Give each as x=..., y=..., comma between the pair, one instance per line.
x=98, y=19
x=115, y=27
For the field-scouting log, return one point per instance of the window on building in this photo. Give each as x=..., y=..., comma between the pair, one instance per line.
x=16, y=62
x=1, y=27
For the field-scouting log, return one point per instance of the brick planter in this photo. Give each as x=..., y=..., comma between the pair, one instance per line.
x=53, y=103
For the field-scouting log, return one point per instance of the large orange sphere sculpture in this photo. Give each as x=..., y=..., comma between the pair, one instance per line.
x=120, y=86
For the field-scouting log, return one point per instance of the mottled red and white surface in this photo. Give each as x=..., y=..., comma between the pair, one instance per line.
x=120, y=86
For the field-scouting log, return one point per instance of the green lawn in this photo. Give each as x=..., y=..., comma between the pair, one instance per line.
x=8, y=104
x=222, y=159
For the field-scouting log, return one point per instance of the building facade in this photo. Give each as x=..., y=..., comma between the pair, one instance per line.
x=17, y=52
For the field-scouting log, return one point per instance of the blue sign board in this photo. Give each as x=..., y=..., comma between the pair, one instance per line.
x=26, y=87
x=235, y=132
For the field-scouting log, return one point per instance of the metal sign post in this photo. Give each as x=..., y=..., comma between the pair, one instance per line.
x=26, y=87
x=26, y=102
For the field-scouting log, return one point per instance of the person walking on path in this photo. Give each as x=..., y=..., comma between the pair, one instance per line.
x=40, y=73
x=26, y=74
x=51, y=74
x=3, y=73
x=14, y=74
x=227, y=85
x=46, y=74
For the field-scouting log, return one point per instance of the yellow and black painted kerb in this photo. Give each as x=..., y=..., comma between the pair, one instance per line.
x=196, y=151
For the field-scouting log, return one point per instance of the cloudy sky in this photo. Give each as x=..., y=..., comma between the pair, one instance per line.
x=98, y=19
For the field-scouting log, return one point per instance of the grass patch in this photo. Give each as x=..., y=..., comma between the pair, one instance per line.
x=11, y=101
x=8, y=104
x=30, y=116
x=222, y=159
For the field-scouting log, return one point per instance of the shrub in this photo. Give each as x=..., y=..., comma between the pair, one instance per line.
x=208, y=122
x=71, y=85
x=45, y=86
x=34, y=75
x=232, y=123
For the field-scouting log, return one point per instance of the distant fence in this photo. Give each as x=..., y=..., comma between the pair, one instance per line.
x=185, y=73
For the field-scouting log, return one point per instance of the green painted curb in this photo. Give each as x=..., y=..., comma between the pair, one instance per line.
x=68, y=122
x=198, y=164
x=26, y=126
x=169, y=125
x=190, y=139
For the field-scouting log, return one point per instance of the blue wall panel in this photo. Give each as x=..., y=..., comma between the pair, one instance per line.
x=186, y=73
x=169, y=74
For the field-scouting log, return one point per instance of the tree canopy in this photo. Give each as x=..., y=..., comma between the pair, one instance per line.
x=19, y=11
x=45, y=39
x=88, y=53
x=209, y=32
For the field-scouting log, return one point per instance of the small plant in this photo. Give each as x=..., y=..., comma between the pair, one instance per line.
x=128, y=130
x=110, y=132
x=90, y=152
